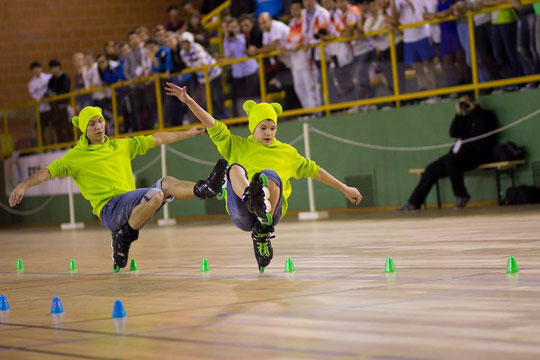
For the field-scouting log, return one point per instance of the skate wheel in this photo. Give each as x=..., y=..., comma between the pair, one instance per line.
x=222, y=194
x=268, y=206
x=116, y=268
x=261, y=269
x=266, y=193
x=264, y=179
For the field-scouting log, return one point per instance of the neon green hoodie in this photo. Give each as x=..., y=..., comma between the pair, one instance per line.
x=254, y=157
x=102, y=171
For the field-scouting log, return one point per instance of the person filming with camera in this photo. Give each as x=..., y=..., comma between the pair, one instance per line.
x=470, y=120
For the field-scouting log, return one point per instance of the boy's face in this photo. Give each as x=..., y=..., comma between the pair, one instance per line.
x=246, y=25
x=296, y=10
x=36, y=71
x=95, y=131
x=265, y=132
x=185, y=45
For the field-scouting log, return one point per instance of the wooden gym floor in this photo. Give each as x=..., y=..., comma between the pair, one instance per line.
x=449, y=299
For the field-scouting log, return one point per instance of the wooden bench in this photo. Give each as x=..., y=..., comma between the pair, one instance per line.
x=500, y=167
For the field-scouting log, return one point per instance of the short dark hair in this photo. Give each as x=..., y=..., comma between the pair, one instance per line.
x=131, y=32
x=245, y=17
x=299, y=2
x=171, y=8
x=55, y=62
x=470, y=95
x=35, y=64
x=151, y=41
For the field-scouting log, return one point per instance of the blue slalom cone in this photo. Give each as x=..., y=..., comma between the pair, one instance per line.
x=118, y=310
x=56, y=307
x=4, y=306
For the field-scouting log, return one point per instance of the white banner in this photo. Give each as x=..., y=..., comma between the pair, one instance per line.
x=17, y=169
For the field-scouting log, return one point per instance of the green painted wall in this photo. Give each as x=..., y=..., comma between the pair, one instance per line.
x=409, y=126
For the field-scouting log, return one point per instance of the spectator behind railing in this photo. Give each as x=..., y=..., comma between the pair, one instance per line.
x=61, y=109
x=194, y=55
x=159, y=34
x=252, y=33
x=194, y=26
x=245, y=75
x=37, y=87
x=303, y=73
x=175, y=20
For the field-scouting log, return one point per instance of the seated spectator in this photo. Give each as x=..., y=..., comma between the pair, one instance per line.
x=304, y=77
x=252, y=33
x=37, y=87
x=245, y=75
x=194, y=26
x=194, y=55
x=110, y=71
x=175, y=21
x=470, y=120
x=81, y=81
x=417, y=48
x=59, y=84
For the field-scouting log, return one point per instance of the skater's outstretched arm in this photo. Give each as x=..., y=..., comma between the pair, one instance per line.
x=180, y=92
x=350, y=193
x=17, y=194
x=163, y=138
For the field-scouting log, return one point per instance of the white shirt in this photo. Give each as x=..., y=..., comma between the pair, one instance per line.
x=312, y=23
x=408, y=16
x=278, y=32
x=362, y=45
x=37, y=87
x=300, y=58
x=342, y=50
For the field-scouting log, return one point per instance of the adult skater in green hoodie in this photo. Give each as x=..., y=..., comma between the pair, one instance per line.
x=101, y=168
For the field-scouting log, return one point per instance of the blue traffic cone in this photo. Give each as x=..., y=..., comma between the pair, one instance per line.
x=118, y=310
x=4, y=306
x=56, y=307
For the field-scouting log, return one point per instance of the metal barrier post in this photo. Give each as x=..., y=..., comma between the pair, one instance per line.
x=159, y=104
x=324, y=80
x=166, y=221
x=313, y=214
x=71, y=225
x=472, y=47
x=114, y=110
x=393, y=61
x=261, y=78
x=38, y=123
x=207, y=92
x=74, y=107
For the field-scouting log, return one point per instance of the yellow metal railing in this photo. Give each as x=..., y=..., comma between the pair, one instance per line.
x=327, y=107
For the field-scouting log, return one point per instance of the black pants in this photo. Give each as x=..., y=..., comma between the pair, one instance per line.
x=450, y=165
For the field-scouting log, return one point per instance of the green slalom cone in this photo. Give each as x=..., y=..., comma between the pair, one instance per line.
x=512, y=267
x=72, y=265
x=289, y=266
x=133, y=266
x=204, y=265
x=389, y=266
x=20, y=265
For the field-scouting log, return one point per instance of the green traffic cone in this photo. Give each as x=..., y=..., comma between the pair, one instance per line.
x=20, y=265
x=133, y=266
x=204, y=265
x=389, y=266
x=512, y=267
x=289, y=266
x=72, y=265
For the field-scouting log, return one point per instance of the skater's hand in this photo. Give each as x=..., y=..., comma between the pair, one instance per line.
x=16, y=195
x=196, y=130
x=353, y=195
x=175, y=90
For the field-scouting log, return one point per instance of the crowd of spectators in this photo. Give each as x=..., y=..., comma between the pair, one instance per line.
x=507, y=45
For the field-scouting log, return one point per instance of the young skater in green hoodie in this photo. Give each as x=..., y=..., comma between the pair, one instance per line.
x=101, y=168
x=260, y=171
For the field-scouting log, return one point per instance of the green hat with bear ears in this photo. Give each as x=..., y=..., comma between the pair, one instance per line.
x=86, y=114
x=259, y=112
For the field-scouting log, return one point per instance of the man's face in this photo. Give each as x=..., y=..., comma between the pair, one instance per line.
x=124, y=49
x=309, y=4
x=265, y=23
x=36, y=71
x=151, y=49
x=56, y=70
x=233, y=27
x=78, y=61
x=188, y=9
x=95, y=131
x=265, y=132
x=173, y=15
x=134, y=41
x=246, y=25
x=296, y=10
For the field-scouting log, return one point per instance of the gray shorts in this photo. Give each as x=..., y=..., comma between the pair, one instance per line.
x=115, y=214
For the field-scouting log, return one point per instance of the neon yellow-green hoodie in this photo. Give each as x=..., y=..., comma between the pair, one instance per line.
x=254, y=157
x=102, y=171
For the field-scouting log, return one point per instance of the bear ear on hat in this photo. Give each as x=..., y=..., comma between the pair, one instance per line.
x=75, y=121
x=277, y=107
x=248, y=105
